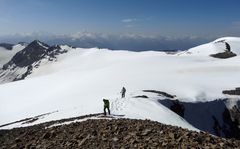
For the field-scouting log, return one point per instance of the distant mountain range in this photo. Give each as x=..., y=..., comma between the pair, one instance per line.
x=129, y=42
x=6, y=45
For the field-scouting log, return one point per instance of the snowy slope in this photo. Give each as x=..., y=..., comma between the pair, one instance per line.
x=6, y=55
x=76, y=83
x=94, y=76
x=216, y=46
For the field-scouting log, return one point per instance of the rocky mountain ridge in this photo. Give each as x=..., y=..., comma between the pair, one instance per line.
x=111, y=133
x=24, y=61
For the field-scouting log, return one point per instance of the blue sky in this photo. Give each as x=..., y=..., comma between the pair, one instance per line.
x=146, y=17
x=119, y=24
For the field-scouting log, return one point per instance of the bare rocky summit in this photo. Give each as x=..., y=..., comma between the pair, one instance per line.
x=110, y=133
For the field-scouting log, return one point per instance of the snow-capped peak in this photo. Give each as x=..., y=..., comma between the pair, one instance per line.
x=215, y=47
x=37, y=42
x=32, y=56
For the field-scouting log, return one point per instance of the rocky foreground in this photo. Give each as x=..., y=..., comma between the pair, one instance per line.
x=110, y=133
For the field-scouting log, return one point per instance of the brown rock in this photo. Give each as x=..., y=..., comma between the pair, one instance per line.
x=17, y=140
x=101, y=133
x=46, y=135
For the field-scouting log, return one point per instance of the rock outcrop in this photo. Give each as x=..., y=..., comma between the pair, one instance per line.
x=213, y=116
x=224, y=55
x=235, y=91
x=160, y=93
x=178, y=108
x=231, y=119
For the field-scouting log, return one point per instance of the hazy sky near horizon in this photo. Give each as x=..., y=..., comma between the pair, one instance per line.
x=174, y=18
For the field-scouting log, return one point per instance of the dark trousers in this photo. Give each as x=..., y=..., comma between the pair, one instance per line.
x=105, y=110
x=123, y=94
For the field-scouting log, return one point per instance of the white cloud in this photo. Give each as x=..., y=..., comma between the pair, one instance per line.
x=129, y=20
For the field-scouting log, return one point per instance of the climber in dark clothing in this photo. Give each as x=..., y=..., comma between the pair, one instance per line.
x=106, y=106
x=228, y=47
x=123, y=91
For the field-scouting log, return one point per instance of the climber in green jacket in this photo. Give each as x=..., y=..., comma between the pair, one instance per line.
x=106, y=106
